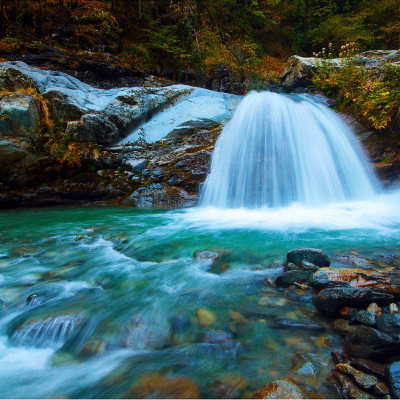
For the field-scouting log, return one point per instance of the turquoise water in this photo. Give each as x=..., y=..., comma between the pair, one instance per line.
x=117, y=294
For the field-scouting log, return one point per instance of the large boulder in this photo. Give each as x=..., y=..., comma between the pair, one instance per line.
x=20, y=115
x=314, y=256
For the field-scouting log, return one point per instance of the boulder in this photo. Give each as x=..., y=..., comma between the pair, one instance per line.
x=330, y=300
x=330, y=277
x=314, y=256
x=369, y=366
x=345, y=388
x=365, y=381
x=289, y=277
x=12, y=79
x=22, y=115
x=389, y=323
x=367, y=342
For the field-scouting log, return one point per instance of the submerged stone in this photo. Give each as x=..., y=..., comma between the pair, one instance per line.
x=205, y=317
x=285, y=388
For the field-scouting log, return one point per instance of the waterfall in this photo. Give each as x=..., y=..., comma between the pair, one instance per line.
x=282, y=149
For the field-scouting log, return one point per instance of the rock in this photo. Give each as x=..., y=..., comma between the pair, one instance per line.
x=272, y=301
x=311, y=365
x=161, y=387
x=369, y=367
x=337, y=357
x=381, y=389
x=314, y=256
x=331, y=277
x=374, y=308
x=34, y=300
x=12, y=80
x=23, y=251
x=346, y=388
x=217, y=259
x=143, y=333
x=95, y=128
x=308, y=266
x=331, y=300
x=289, y=277
x=353, y=259
x=51, y=332
x=220, y=390
x=284, y=388
x=393, y=379
x=298, y=324
x=389, y=323
x=342, y=326
x=393, y=308
x=364, y=380
x=22, y=113
x=205, y=317
x=288, y=267
x=368, y=342
x=62, y=110
x=217, y=337
x=366, y=318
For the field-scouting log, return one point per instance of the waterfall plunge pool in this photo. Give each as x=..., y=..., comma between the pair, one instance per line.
x=127, y=291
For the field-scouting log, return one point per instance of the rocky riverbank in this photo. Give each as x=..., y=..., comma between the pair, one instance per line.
x=360, y=299
x=64, y=142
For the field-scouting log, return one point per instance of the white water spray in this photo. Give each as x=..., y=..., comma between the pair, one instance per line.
x=284, y=149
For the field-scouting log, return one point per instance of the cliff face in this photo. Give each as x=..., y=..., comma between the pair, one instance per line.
x=62, y=141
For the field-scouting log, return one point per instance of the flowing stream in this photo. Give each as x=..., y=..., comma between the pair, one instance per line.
x=114, y=302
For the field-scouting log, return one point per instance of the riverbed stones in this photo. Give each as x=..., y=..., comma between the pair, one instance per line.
x=369, y=366
x=330, y=300
x=393, y=378
x=346, y=388
x=284, y=388
x=389, y=323
x=367, y=342
x=364, y=380
x=365, y=318
x=331, y=277
x=314, y=256
x=393, y=308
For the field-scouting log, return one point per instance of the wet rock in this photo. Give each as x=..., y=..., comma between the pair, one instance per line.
x=12, y=80
x=364, y=380
x=298, y=324
x=285, y=388
x=368, y=342
x=393, y=308
x=374, y=308
x=289, y=277
x=35, y=300
x=308, y=266
x=217, y=259
x=348, y=312
x=331, y=277
x=272, y=301
x=219, y=390
x=337, y=357
x=205, y=317
x=353, y=259
x=311, y=365
x=217, y=337
x=381, y=389
x=389, y=323
x=331, y=300
x=23, y=251
x=365, y=318
x=287, y=266
x=345, y=387
x=146, y=334
x=299, y=294
x=51, y=332
x=161, y=387
x=342, y=326
x=23, y=115
x=393, y=378
x=369, y=366
x=314, y=256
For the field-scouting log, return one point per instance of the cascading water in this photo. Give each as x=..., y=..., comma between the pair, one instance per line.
x=283, y=149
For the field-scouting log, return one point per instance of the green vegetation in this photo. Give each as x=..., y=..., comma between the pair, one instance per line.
x=190, y=39
x=373, y=98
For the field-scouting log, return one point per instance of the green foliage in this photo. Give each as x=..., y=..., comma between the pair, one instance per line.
x=371, y=98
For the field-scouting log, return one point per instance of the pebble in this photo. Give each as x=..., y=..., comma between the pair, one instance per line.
x=366, y=318
x=205, y=317
x=374, y=308
x=393, y=308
